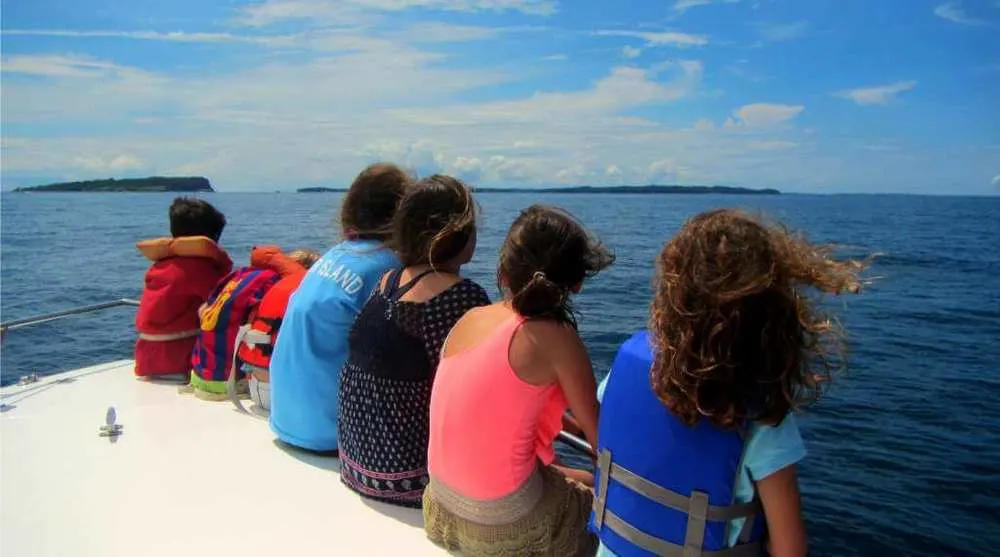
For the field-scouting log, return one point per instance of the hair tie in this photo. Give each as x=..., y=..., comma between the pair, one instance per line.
x=539, y=275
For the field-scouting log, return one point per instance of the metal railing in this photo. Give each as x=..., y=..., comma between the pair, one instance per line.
x=577, y=444
x=18, y=323
x=572, y=441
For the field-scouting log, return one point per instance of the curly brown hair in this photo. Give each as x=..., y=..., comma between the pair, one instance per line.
x=736, y=338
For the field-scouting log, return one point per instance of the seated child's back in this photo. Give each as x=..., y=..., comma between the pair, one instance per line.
x=697, y=410
x=229, y=307
x=307, y=359
x=257, y=345
x=185, y=269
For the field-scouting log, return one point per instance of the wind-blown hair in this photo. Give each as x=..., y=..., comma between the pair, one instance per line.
x=547, y=253
x=736, y=338
x=435, y=221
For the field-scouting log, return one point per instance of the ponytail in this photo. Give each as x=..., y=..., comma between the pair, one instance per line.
x=546, y=255
x=541, y=297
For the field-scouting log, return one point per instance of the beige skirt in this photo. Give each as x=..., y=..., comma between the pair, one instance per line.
x=556, y=526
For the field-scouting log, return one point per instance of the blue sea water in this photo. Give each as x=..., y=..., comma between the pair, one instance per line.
x=904, y=451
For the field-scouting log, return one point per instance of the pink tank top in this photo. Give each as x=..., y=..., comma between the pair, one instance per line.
x=488, y=428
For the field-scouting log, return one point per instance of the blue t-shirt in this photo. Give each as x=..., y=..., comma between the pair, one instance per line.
x=769, y=449
x=312, y=346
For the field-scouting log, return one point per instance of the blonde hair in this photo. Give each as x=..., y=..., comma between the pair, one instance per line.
x=304, y=257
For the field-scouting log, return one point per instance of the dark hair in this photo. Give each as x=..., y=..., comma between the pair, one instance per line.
x=546, y=254
x=371, y=201
x=435, y=221
x=735, y=337
x=195, y=217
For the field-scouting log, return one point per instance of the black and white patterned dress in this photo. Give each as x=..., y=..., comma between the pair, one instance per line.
x=385, y=388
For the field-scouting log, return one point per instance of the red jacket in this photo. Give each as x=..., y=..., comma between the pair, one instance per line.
x=184, y=272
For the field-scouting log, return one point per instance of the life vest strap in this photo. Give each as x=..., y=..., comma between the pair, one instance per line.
x=664, y=548
x=254, y=337
x=234, y=396
x=696, y=507
x=674, y=500
x=601, y=499
x=167, y=337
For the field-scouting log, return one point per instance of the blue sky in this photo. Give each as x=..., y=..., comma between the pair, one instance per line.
x=807, y=96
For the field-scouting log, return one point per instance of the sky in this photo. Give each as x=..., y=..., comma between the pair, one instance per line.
x=817, y=96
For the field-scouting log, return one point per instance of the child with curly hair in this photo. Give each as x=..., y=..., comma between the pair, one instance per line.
x=697, y=446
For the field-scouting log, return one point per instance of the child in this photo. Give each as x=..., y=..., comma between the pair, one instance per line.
x=506, y=376
x=186, y=267
x=306, y=364
x=226, y=310
x=697, y=409
x=265, y=321
x=395, y=343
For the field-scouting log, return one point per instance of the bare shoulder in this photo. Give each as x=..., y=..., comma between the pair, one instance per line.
x=552, y=335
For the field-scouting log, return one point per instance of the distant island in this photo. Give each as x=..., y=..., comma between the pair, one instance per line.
x=635, y=190
x=189, y=184
x=640, y=190
x=321, y=190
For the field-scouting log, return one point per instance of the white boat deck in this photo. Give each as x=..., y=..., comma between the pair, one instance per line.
x=186, y=477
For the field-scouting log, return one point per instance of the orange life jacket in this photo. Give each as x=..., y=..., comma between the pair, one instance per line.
x=257, y=345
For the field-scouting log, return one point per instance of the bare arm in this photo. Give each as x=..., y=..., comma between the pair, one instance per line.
x=570, y=425
x=571, y=364
x=779, y=494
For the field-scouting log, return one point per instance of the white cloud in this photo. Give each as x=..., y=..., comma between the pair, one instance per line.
x=682, y=6
x=176, y=36
x=369, y=93
x=631, y=52
x=659, y=38
x=624, y=87
x=772, y=145
x=758, y=115
x=955, y=13
x=663, y=170
x=878, y=95
x=117, y=163
x=359, y=11
x=53, y=65
x=703, y=124
x=438, y=32
x=322, y=40
x=996, y=179
x=317, y=129
x=783, y=32
x=555, y=57
x=575, y=175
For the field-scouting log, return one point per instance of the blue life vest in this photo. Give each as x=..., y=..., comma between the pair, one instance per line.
x=663, y=487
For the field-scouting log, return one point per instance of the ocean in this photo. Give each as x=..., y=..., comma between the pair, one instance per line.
x=904, y=452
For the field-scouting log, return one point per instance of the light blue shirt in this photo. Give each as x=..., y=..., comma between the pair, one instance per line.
x=312, y=343
x=769, y=449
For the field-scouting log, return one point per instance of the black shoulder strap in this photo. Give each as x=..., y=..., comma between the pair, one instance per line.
x=391, y=283
x=398, y=291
